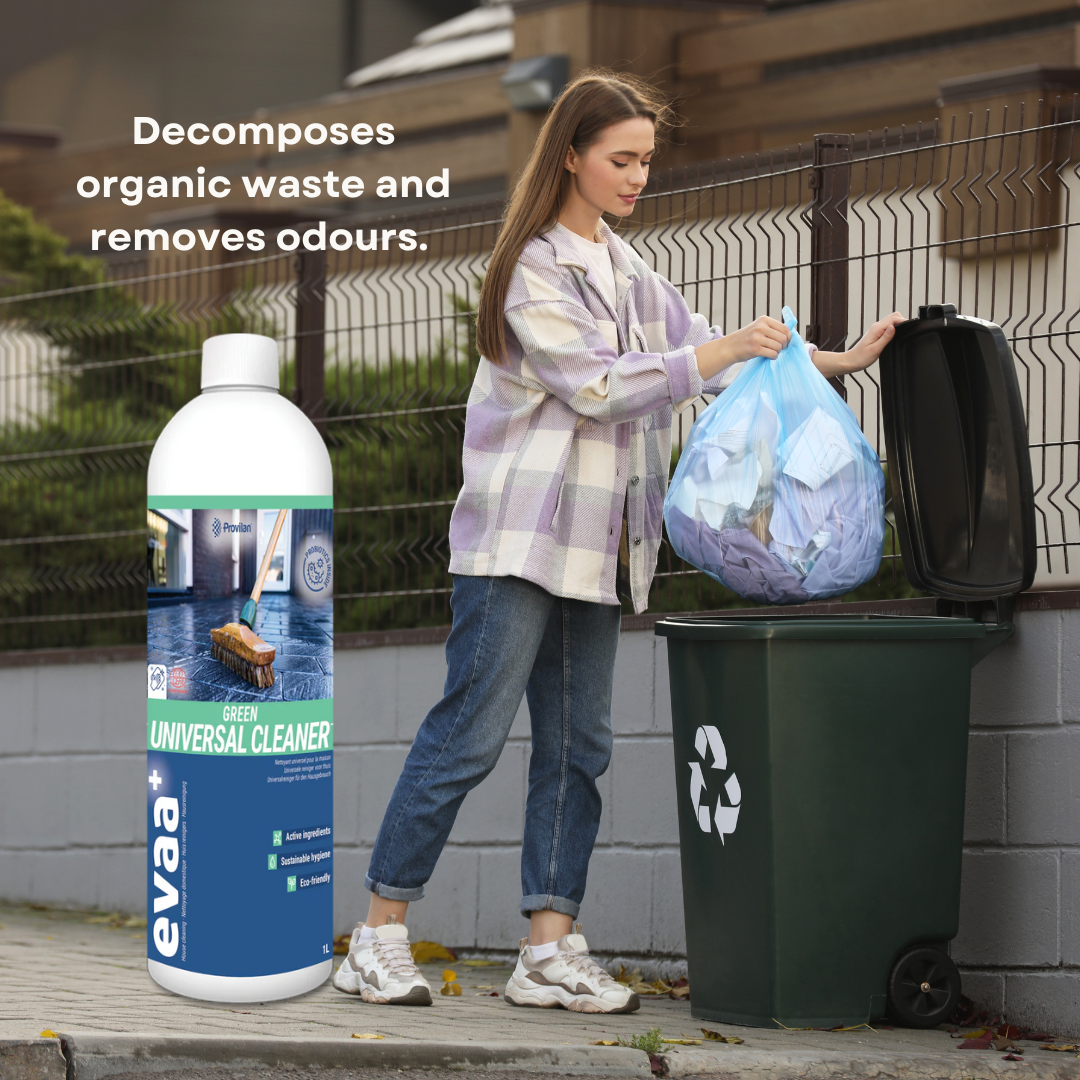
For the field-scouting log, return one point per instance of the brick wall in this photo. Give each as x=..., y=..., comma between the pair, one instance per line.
x=211, y=557
x=634, y=902
x=72, y=796
x=72, y=815
x=1019, y=940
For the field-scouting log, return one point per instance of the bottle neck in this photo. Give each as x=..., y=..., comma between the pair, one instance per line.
x=244, y=387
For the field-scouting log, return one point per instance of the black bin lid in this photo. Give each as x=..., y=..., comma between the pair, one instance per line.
x=958, y=457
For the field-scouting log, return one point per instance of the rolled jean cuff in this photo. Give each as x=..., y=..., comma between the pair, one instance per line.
x=529, y=904
x=388, y=892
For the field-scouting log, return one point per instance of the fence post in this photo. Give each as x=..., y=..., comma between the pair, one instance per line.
x=310, y=393
x=831, y=181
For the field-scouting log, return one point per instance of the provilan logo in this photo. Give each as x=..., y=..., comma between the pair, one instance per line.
x=316, y=568
x=218, y=526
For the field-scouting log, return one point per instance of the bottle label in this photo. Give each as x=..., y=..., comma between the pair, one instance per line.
x=240, y=733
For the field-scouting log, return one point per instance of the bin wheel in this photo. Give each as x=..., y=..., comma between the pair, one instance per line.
x=924, y=988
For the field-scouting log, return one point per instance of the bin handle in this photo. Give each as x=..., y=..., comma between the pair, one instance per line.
x=996, y=633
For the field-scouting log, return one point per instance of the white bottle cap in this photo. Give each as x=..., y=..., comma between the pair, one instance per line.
x=240, y=360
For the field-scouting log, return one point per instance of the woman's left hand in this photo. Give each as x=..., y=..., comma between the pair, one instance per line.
x=861, y=355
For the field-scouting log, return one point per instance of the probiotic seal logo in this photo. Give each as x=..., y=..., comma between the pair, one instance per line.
x=215, y=528
x=316, y=568
x=708, y=744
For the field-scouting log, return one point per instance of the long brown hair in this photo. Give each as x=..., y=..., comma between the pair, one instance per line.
x=593, y=101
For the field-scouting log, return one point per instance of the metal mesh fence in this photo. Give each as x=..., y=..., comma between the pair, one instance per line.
x=377, y=347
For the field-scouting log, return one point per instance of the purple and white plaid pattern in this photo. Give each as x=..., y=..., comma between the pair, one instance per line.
x=578, y=417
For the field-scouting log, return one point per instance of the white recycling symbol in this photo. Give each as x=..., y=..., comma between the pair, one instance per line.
x=725, y=818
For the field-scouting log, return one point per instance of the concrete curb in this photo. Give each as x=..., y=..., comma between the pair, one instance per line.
x=32, y=1059
x=95, y=1056
x=746, y=1064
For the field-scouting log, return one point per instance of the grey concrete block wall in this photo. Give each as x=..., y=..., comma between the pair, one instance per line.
x=1019, y=940
x=473, y=898
x=72, y=819
x=72, y=808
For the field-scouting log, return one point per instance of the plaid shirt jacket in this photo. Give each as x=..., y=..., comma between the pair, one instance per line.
x=576, y=423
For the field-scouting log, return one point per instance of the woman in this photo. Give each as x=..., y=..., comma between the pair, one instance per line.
x=586, y=352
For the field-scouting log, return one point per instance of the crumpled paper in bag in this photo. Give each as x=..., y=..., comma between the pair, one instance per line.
x=777, y=494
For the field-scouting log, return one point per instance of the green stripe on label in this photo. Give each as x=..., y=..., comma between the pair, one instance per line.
x=231, y=729
x=239, y=502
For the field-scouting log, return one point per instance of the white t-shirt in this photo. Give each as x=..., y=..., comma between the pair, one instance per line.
x=598, y=259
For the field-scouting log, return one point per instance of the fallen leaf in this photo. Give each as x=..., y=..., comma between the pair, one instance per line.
x=488, y=993
x=980, y=1034
x=715, y=1036
x=368, y=1035
x=118, y=920
x=682, y=1042
x=1007, y=1031
x=341, y=944
x=451, y=989
x=48, y=1033
x=679, y=993
x=976, y=1044
x=605, y=1042
x=425, y=952
x=786, y=1028
x=481, y=986
x=854, y=1027
x=449, y=976
x=479, y=963
x=1065, y=1047
x=1012, y=1057
x=1001, y=1043
x=656, y=988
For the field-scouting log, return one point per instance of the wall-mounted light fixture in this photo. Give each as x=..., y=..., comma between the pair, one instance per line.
x=535, y=83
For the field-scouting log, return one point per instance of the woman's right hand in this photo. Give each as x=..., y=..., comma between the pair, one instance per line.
x=763, y=337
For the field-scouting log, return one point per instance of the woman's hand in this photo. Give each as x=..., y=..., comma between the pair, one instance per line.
x=763, y=337
x=861, y=355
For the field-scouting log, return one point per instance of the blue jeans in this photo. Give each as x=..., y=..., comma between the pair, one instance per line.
x=510, y=637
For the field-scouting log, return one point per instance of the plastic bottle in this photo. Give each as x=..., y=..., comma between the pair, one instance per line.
x=239, y=778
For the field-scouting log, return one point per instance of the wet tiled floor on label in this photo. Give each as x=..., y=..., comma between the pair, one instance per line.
x=178, y=636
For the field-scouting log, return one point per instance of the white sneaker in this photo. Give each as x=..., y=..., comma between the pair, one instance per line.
x=381, y=969
x=570, y=979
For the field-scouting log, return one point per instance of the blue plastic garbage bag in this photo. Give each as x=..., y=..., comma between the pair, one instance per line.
x=777, y=494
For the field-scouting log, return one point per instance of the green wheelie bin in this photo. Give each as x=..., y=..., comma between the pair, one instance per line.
x=821, y=759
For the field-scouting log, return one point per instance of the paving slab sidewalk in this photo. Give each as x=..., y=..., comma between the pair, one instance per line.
x=87, y=982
